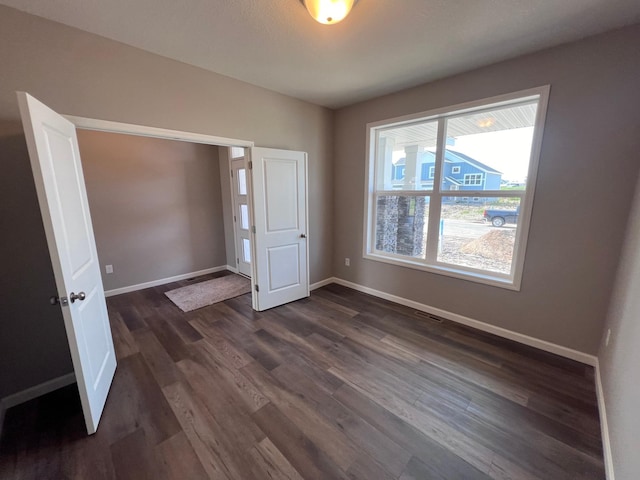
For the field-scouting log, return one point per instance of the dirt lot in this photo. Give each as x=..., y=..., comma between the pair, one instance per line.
x=492, y=251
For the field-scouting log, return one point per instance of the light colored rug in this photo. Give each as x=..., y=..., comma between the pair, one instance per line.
x=207, y=293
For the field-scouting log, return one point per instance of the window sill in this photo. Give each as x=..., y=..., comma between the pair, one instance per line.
x=507, y=283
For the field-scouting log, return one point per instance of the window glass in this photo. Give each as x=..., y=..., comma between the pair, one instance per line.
x=479, y=234
x=242, y=181
x=237, y=152
x=401, y=225
x=405, y=155
x=491, y=149
x=482, y=164
x=246, y=250
x=244, y=217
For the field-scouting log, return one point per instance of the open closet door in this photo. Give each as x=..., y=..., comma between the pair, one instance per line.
x=57, y=172
x=281, y=263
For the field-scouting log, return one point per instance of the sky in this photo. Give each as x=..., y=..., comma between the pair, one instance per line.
x=507, y=151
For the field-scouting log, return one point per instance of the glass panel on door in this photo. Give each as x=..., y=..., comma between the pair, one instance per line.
x=244, y=217
x=246, y=250
x=242, y=181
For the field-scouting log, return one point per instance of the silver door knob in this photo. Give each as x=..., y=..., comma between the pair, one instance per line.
x=80, y=296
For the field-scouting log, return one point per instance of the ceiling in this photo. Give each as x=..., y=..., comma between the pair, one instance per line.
x=383, y=46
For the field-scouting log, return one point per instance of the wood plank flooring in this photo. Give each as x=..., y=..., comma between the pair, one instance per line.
x=341, y=385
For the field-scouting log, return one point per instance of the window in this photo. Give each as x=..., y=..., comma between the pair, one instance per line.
x=397, y=172
x=474, y=227
x=473, y=179
x=427, y=172
x=237, y=152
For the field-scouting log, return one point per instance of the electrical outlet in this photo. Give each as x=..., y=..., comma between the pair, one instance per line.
x=108, y=268
x=347, y=262
x=607, y=338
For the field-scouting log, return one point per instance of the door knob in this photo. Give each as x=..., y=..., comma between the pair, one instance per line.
x=80, y=296
x=302, y=235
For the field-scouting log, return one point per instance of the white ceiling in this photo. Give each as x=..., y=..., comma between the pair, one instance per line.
x=383, y=46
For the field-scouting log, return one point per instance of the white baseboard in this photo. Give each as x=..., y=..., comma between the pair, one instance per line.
x=604, y=426
x=321, y=283
x=470, y=322
x=232, y=269
x=162, y=281
x=34, y=392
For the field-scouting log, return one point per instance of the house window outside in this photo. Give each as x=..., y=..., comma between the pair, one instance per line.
x=473, y=179
x=433, y=226
x=397, y=172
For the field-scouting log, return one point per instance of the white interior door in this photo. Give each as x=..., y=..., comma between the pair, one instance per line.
x=281, y=262
x=241, y=222
x=57, y=171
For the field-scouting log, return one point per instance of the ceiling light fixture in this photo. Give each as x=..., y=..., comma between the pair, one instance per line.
x=329, y=11
x=486, y=122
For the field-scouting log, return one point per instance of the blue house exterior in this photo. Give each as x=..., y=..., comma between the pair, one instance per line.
x=461, y=172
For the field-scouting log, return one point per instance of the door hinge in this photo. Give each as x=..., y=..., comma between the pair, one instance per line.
x=253, y=229
x=237, y=260
x=231, y=173
x=234, y=218
x=257, y=288
x=251, y=165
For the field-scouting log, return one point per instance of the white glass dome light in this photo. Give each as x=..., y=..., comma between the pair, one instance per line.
x=329, y=11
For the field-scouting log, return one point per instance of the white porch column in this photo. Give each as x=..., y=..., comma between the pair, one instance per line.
x=385, y=157
x=411, y=170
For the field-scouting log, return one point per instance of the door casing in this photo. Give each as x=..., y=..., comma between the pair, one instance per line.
x=132, y=129
x=236, y=164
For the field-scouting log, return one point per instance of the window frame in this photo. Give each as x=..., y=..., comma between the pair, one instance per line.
x=455, y=170
x=511, y=281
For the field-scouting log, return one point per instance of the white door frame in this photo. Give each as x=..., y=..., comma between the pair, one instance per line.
x=143, y=131
x=155, y=132
x=237, y=239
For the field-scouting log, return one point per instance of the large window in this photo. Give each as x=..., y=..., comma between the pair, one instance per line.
x=470, y=219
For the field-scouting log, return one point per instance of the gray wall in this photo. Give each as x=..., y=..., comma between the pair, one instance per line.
x=586, y=178
x=86, y=75
x=155, y=205
x=33, y=345
x=620, y=360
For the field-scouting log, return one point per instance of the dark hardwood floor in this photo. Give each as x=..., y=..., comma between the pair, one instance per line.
x=339, y=385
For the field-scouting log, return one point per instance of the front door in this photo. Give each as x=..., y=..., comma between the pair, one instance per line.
x=239, y=186
x=281, y=262
x=57, y=172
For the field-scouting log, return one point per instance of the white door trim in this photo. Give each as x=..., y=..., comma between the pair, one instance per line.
x=144, y=131
x=237, y=237
x=155, y=132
